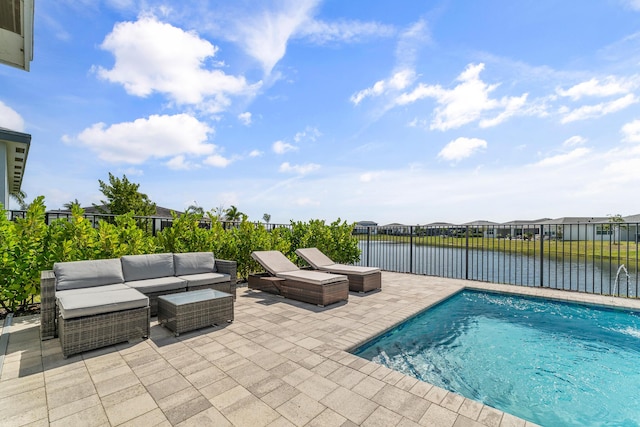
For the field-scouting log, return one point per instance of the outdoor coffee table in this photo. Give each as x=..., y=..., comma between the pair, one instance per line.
x=186, y=311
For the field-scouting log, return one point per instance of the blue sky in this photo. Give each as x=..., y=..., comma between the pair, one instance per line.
x=403, y=111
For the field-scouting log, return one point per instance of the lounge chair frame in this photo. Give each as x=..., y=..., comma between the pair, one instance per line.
x=321, y=295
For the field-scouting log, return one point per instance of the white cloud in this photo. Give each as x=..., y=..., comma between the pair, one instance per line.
x=397, y=82
x=157, y=137
x=299, y=169
x=133, y=172
x=632, y=4
x=264, y=34
x=466, y=102
x=594, y=87
x=321, y=32
x=631, y=131
x=245, y=118
x=461, y=148
x=10, y=119
x=574, y=140
x=179, y=163
x=306, y=201
x=310, y=133
x=255, y=153
x=566, y=158
x=597, y=110
x=151, y=56
x=369, y=176
x=281, y=147
x=217, y=160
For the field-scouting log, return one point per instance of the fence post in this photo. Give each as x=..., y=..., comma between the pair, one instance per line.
x=466, y=253
x=541, y=255
x=368, y=243
x=411, y=249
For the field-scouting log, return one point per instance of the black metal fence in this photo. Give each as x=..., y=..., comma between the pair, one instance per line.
x=600, y=258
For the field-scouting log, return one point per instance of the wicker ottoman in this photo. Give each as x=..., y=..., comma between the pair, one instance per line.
x=187, y=311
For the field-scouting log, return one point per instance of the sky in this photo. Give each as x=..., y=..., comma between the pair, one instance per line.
x=405, y=111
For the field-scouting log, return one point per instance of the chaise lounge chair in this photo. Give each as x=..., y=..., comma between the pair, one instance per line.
x=286, y=279
x=361, y=279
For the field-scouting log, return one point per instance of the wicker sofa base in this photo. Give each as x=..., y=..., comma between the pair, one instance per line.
x=91, y=332
x=312, y=293
x=365, y=282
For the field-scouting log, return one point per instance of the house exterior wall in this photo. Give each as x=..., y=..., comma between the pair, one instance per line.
x=4, y=176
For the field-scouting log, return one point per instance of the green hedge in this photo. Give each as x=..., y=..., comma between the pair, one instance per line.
x=28, y=245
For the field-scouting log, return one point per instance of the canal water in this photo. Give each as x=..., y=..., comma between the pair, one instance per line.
x=586, y=275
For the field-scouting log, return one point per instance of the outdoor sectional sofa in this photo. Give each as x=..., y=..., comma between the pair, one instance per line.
x=95, y=303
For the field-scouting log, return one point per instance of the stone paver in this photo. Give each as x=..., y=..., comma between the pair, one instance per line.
x=280, y=363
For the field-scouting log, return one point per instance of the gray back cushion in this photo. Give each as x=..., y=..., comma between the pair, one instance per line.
x=194, y=263
x=274, y=261
x=85, y=274
x=140, y=267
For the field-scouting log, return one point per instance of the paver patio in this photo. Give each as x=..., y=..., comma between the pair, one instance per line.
x=280, y=363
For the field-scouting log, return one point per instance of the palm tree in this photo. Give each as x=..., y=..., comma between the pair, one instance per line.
x=266, y=218
x=19, y=198
x=71, y=204
x=233, y=214
x=195, y=209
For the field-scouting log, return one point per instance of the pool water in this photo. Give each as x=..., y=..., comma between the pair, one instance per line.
x=552, y=363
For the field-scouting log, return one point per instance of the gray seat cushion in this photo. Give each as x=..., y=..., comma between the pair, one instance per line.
x=94, y=290
x=86, y=274
x=140, y=267
x=159, y=284
x=205, y=279
x=315, y=277
x=350, y=269
x=72, y=304
x=194, y=263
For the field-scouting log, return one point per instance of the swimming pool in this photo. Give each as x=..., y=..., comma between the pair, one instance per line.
x=552, y=363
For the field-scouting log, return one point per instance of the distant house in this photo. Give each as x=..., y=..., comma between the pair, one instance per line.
x=395, y=229
x=14, y=148
x=578, y=228
x=481, y=227
x=520, y=228
x=364, y=227
x=440, y=229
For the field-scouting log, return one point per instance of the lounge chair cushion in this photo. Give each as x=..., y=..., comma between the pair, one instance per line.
x=274, y=261
x=205, y=279
x=349, y=269
x=314, y=277
x=194, y=263
x=74, y=304
x=140, y=267
x=159, y=284
x=314, y=257
x=86, y=274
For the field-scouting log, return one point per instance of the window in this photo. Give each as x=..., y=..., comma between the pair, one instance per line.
x=10, y=17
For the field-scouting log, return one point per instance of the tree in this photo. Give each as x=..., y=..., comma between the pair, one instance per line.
x=267, y=218
x=195, y=209
x=20, y=197
x=123, y=197
x=71, y=204
x=613, y=227
x=233, y=214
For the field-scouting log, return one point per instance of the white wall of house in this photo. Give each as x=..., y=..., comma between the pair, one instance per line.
x=4, y=176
